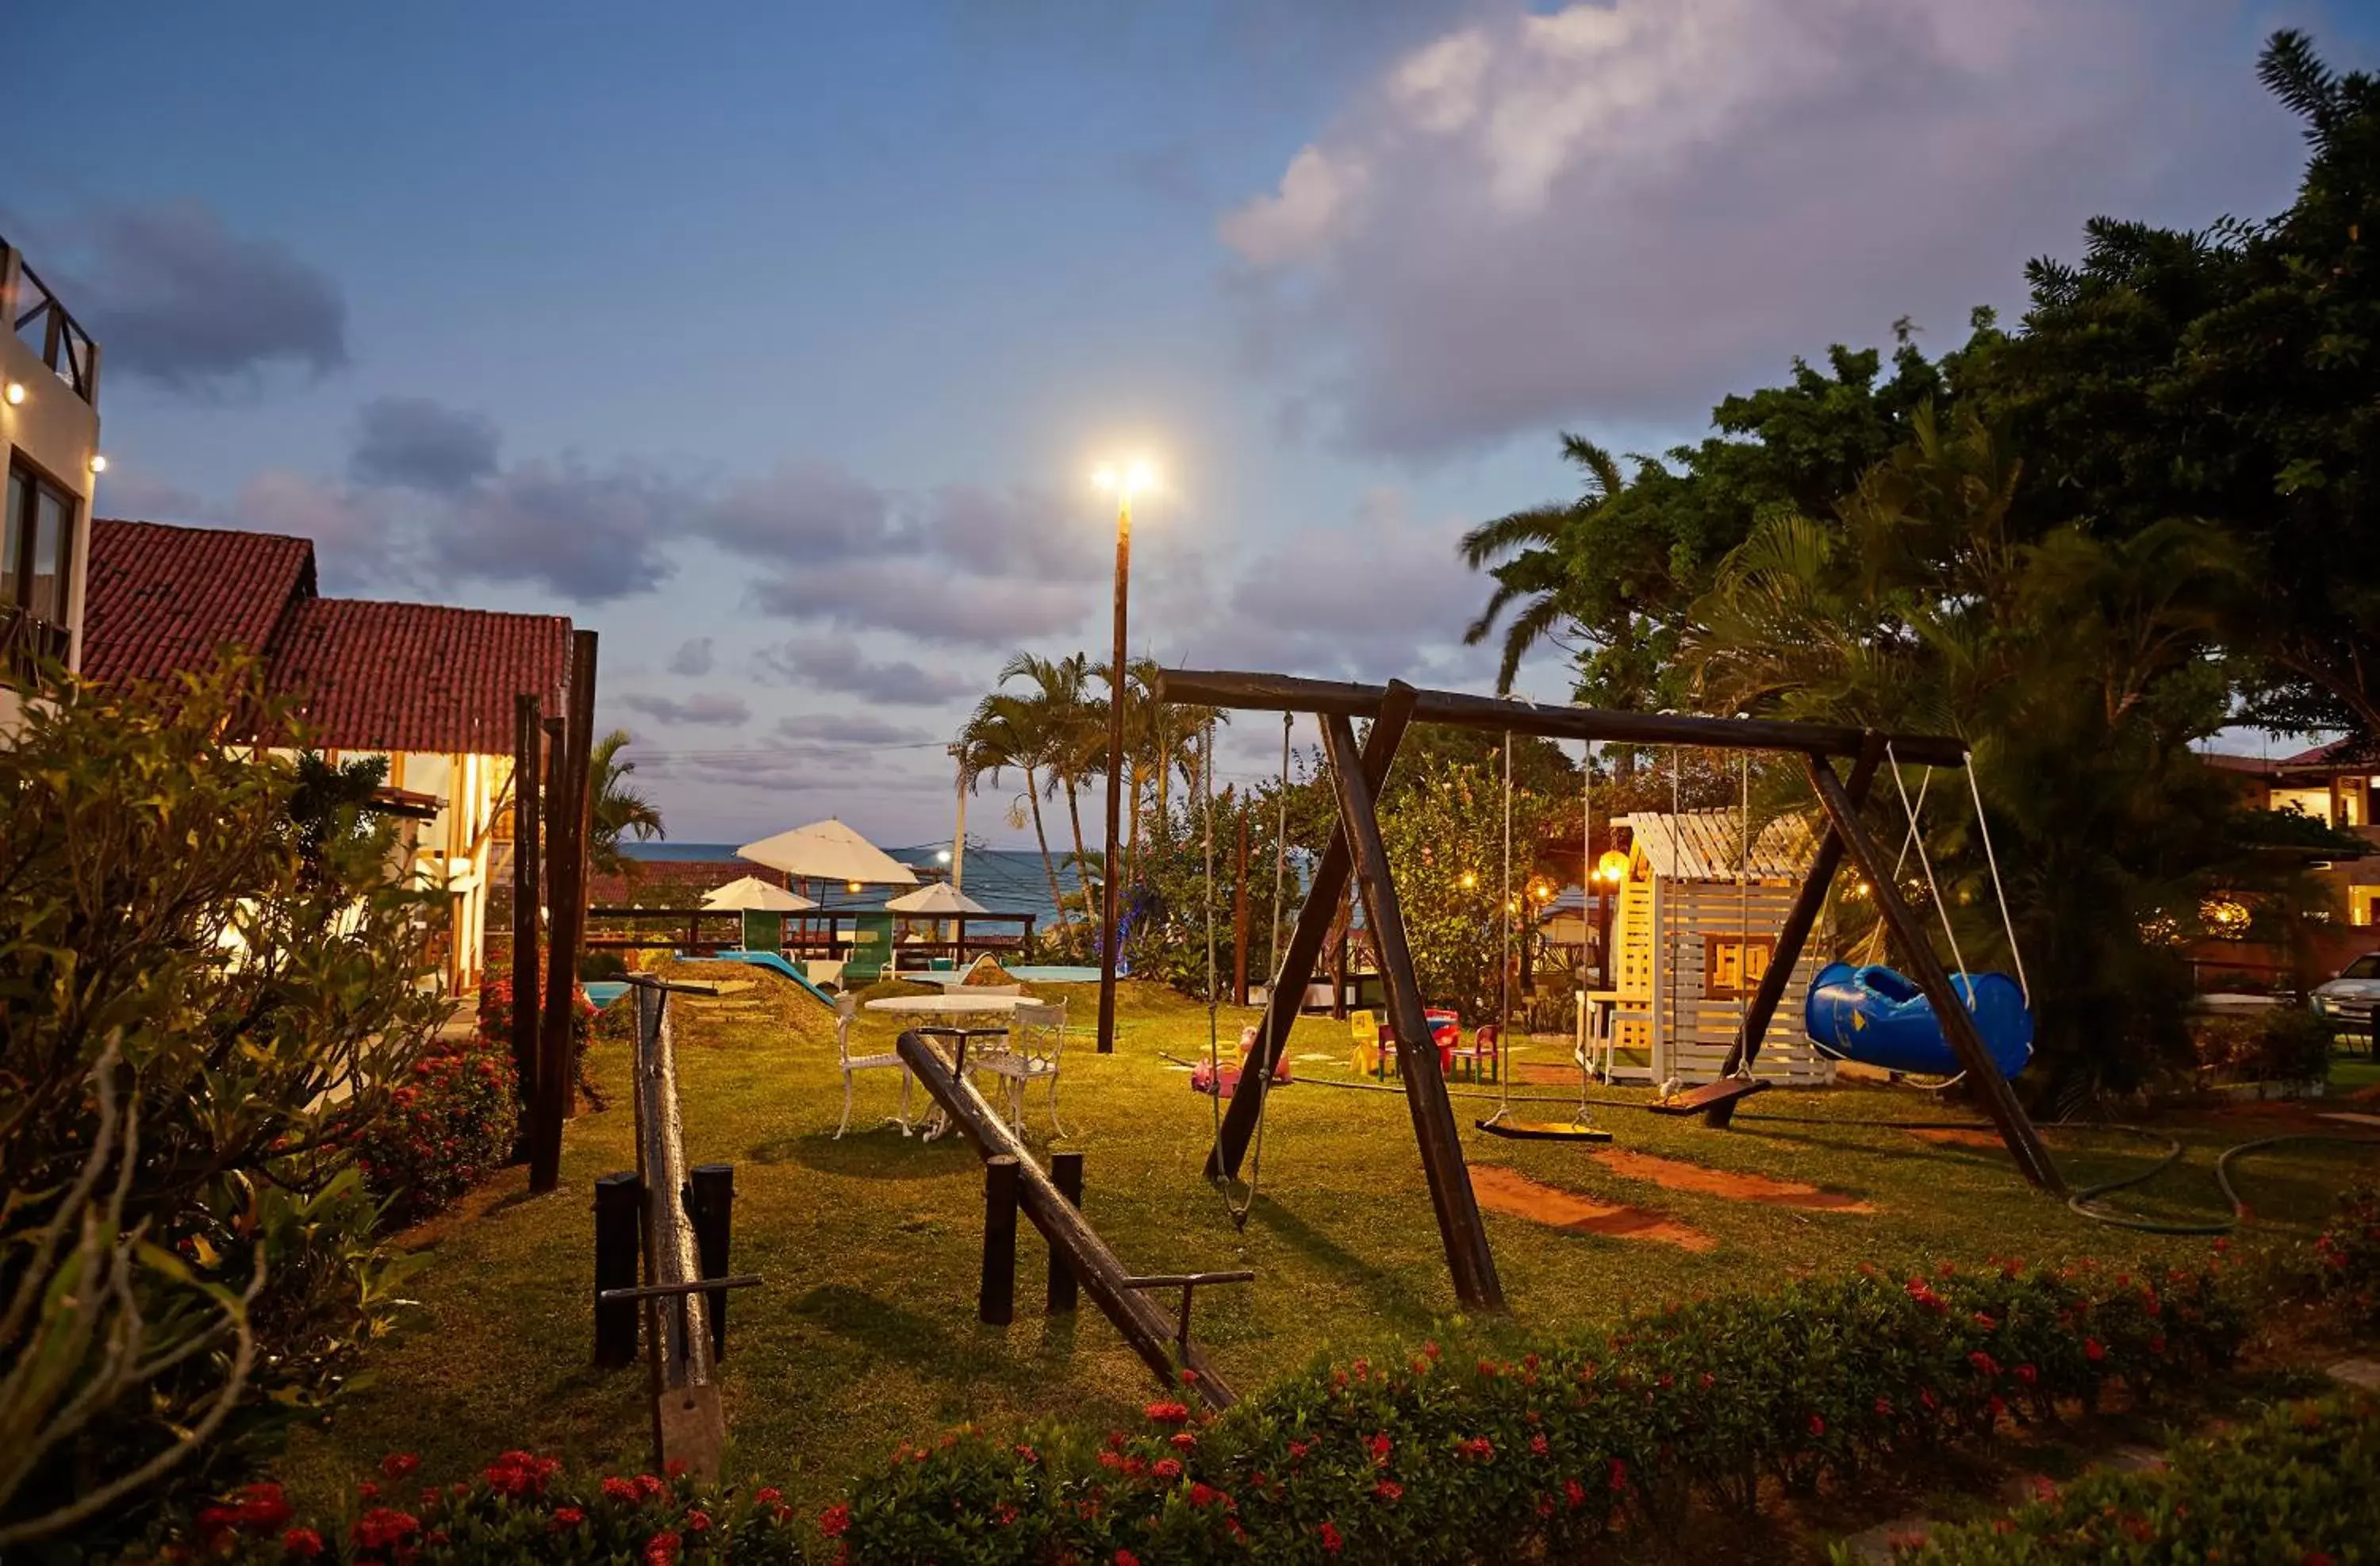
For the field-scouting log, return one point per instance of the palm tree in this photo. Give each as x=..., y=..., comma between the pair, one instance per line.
x=612, y=807
x=1006, y=732
x=1524, y=551
x=1068, y=725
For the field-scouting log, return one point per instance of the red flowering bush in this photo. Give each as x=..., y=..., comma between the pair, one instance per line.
x=1539, y=1457
x=449, y=1127
x=2347, y=1256
x=2294, y=1486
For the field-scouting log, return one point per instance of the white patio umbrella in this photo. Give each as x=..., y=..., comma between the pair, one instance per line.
x=941, y=897
x=751, y=894
x=828, y=851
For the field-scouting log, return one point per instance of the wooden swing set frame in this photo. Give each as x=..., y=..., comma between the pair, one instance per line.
x=1355, y=849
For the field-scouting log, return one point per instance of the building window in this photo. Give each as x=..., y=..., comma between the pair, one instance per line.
x=2359, y=902
x=1732, y=966
x=36, y=561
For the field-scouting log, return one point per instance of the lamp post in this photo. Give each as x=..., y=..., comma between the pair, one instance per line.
x=1132, y=479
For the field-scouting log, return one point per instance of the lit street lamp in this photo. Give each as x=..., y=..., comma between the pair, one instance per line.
x=1132, y=479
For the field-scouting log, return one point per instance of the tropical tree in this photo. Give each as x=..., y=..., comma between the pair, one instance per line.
x=1072, y=735
x=1000, y=735
x=613, y=808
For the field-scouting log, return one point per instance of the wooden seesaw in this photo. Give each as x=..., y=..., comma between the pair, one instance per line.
x=1015, y=1183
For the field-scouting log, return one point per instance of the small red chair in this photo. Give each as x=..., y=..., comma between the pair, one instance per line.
x=1487, y=1045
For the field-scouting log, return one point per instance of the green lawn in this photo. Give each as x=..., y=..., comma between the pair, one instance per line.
x=864, y=1332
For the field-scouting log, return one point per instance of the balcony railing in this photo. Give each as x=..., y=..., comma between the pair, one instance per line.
x=42, y=324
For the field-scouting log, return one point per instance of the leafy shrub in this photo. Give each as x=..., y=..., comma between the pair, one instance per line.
x=496, y=1028
x=2283, y=1044
x=1428, y=1459
x=2296, y=1486
x=207, y=983
x=2347, y=1255
x=449, y=1128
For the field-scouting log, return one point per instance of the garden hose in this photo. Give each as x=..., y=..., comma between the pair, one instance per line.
x=2079, y=1202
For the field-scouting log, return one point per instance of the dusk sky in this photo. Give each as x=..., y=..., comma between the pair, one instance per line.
x=778, y=343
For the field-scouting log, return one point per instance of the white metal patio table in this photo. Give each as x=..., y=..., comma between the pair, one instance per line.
x=954, y=1003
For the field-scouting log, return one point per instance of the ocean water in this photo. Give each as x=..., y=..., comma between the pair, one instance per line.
x=1006, y=880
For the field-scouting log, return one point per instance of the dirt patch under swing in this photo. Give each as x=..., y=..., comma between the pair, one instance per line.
x=1673, y=1174
x=1954, y=1136
x=1517, y=1196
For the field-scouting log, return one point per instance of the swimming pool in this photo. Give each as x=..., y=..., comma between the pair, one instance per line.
x=1057, y=974
x=601, y=992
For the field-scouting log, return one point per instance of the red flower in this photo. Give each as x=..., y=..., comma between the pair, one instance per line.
x=1818, y=1426
x=1330, y=1539
x=836, y=1520
x=1168, y=1413
x=1126, y=1558
x=697, y=1521
x=2156, y=1344
x=1166, y=1469
x=1182, y=1441
x=2027, y=1373
x=1884, y=1408
x=1984, y=1364
x=674, y=1468
x=1575, y=1492
x=767, y=1494
x=366, y=1490
x=2095, y=1348
x=382, y=1527
x=1204, y=1494
x=397, y=1465
x=566, y=1518
x=651, y=1487
x=1487, y=1368
x=261, y=1509
x=1379, y=1445
x=660, y=1549
x=1538, y=1447
x=622, y=1490
x=1479, y=1447
x=1985, y=1322
x=1390, y=1490
x=1619, y=1476
x=303, y=1543
x=1189, y=1378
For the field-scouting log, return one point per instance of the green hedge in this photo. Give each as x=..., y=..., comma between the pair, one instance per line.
x=1422, y=1461
x=2297, y=1488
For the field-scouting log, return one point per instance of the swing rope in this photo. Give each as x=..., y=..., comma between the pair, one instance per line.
x=1280, y=849
x=2008, y=926
x=1239, y=1210
x=1925, y=862
x=1504, y=960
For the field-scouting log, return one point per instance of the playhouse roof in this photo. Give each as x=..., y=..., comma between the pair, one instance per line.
x=1708, y=846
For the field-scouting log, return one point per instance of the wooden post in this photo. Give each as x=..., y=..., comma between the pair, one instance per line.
x=996, y=1299
x=689, y=1425
x=710, y=1203
x=619, y=1218
x=529, y=733
x=1792, y=935
x=1343, y=963
x=1458, y=1226
x=1066, y=1177
x=567, y=892
x=1095, y=1266
x=1239, y=915
x=1316, y=918
x=1958, y=1025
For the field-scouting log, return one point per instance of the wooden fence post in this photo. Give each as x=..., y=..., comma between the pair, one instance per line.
x=567, y=892
x=527, y=773
x=996, y=1301
x=710, y=1202
x=619, y=1216
x=1066, y=1175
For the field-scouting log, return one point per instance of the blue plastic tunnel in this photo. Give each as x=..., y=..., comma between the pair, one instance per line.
x=1880, y=1018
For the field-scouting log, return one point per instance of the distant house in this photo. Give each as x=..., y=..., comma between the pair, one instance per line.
x=49, y=441
x=429, y=686
x=2330, y=785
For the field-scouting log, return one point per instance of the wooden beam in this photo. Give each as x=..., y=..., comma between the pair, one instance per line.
x=1316, y=918
x=566, y=895
x=1958, y=1025
x=1239, y=913
x=1284, y=693
x=529, y=734
x=688, y=1423
x=1794, y=934
x=1095, y=1266
x=1458, y=1226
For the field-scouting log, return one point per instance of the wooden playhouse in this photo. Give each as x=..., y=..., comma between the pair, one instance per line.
x=1697, y=919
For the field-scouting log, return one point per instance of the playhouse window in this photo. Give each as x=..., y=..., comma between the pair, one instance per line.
x=1731, y=964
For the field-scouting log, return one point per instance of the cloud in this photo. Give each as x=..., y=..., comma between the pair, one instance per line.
x=925, y=599
x=592, y=536
x=177, y=298
x=701, y=708
x=693, y=657
x=847, y=728
x=352, y=540
x=799, y=512
x=833, y=664
x=416, y=444
x=1620, y=208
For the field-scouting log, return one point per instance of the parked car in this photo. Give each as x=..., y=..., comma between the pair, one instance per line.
x=2346, y=1002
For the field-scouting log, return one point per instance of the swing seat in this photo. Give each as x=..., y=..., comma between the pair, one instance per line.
x=1710, y=1094
x=1878, y=1017
x=1542, y=1131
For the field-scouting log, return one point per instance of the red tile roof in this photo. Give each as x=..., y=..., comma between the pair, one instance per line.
x=418, y=676
x=162, y=598
x=366, y=675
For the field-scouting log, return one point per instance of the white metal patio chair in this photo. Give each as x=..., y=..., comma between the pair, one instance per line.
x=1037, y=1044
x=847, y=1008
